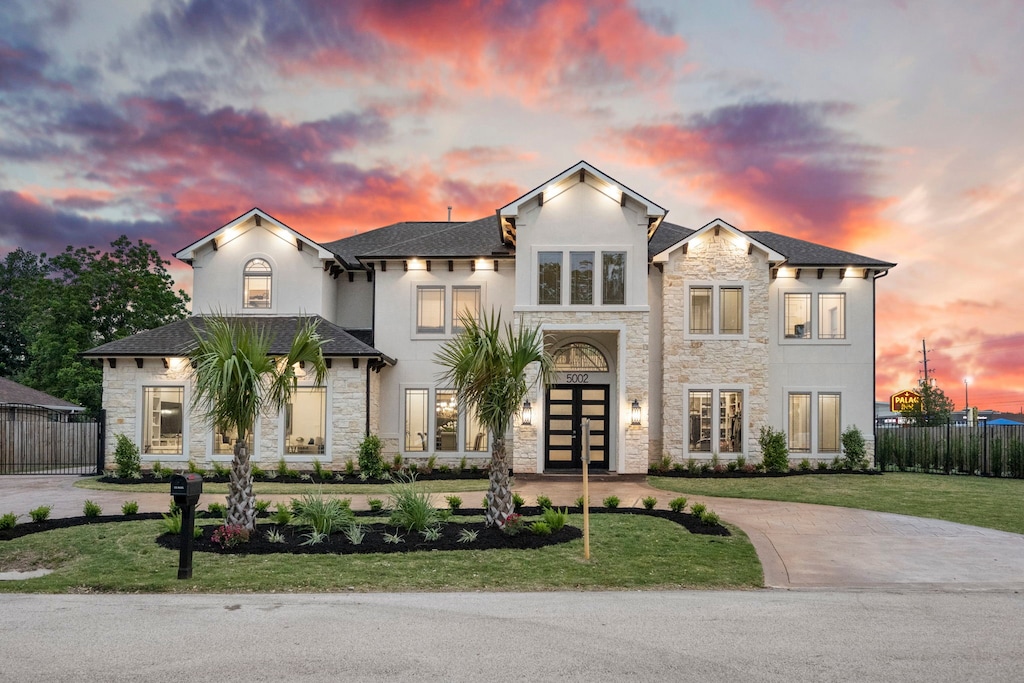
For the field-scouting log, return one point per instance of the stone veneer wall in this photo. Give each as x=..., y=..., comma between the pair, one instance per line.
x=633, y=385
x=713, y=361
x=347, y=409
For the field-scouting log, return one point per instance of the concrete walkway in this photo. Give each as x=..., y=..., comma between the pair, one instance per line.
x=799, y=545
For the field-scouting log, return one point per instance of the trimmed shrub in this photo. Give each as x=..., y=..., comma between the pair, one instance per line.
x=370, y=461
x=774, y=451
x=649, y=502
x=40, y=514
x=130, y=507
x=91, y=509
x=677, y=504
x=611, y=502
x=854, y=449
x=127, y=463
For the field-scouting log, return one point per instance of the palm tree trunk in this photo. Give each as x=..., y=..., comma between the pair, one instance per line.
x=499, y=494
x=241, y=502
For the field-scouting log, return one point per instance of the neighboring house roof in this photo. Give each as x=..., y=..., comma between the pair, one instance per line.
x=177, y=338
x=12, y=393
x=422, y=239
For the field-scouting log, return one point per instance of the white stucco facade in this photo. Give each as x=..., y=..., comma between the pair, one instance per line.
x=674, y=343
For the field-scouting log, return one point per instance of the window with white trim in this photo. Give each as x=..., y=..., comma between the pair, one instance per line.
x=800, y=315
x=814, y=418
x=581, y=279
x=715, y=420
x=430, y=309
x=434, y=423
x=256, y=281
x=162, y=428
x=465, y=303
x=438, y=307
x=305, y=422
x=717, y=310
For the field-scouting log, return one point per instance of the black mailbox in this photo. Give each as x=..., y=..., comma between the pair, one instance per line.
x=186, y=489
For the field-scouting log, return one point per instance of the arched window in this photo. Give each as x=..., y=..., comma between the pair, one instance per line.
x=256, y=284
x=580, y=357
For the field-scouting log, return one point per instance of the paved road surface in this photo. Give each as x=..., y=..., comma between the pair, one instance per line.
x=642, y=636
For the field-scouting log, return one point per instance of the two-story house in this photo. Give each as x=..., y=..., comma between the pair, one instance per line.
x=671, y=341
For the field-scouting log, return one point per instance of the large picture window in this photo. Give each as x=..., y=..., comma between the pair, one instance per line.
x=306, y=421
x=549, y=276
x=161, y=430
x=582, y=281
x=224, y=444
x=711, y=430
x=430, y=310
x=435, y=423
x=256, y=280
x=815, y=421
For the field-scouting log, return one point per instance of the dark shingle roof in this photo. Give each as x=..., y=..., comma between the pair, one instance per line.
x=18, y=394
x=797, y=252
x=423, y=240
x=803, y=253
x=177, y=339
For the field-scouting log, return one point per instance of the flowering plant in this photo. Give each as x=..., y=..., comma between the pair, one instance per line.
x=230, y=535
x=514, y=524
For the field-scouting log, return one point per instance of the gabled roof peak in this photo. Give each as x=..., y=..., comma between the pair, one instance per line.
x=229, y=230
x=578, y=172
x=716, y=227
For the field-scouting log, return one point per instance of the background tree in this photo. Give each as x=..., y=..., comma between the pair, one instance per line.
x=21, y=274
x=487, y=370
x=235, y=378
x=934, y=408
x=88, y=298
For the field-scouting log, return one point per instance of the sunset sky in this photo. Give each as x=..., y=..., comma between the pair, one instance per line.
x=890, y=129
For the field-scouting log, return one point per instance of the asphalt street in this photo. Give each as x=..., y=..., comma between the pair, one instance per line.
x=767, y=635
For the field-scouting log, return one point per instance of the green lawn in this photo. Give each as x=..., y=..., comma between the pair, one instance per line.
x=991, y=503
x=267, y=488
x=627, y=552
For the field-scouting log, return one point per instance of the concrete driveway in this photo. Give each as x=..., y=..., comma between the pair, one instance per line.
x=800, y=545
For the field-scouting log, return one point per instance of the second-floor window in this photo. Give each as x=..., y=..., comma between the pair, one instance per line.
x=436, y=313
x=716, y=310
x=256, y=281
x=584, y=268
x=797, y=315
x=430, y=309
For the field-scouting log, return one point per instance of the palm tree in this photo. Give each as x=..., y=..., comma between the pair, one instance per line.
x=488, y=374
x=235, y=378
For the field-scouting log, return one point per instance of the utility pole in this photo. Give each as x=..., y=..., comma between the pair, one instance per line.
x=924, y=354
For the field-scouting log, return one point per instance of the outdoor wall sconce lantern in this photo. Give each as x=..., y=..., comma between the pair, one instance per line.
x=634, y=413
x=527, y=413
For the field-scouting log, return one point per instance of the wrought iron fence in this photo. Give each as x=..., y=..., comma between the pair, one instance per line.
x=954, y=448
x=37, y=440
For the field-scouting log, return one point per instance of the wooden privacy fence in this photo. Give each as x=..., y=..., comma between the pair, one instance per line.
x=37, y=440
x=984, y=450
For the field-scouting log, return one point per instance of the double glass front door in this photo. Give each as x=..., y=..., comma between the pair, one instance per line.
x=567, y=406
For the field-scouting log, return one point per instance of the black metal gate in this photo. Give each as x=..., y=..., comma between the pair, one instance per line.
x=37, y=440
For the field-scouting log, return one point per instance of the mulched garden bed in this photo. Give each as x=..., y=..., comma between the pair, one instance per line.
x=487, y=538
x=309, y=478
x=687, y=474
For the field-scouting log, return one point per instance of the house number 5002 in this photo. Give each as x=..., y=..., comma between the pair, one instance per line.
x=577, y=378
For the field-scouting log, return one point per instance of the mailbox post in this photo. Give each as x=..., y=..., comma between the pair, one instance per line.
x=186, y=489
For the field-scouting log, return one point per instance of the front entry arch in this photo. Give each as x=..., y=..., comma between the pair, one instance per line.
x=582, y=391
